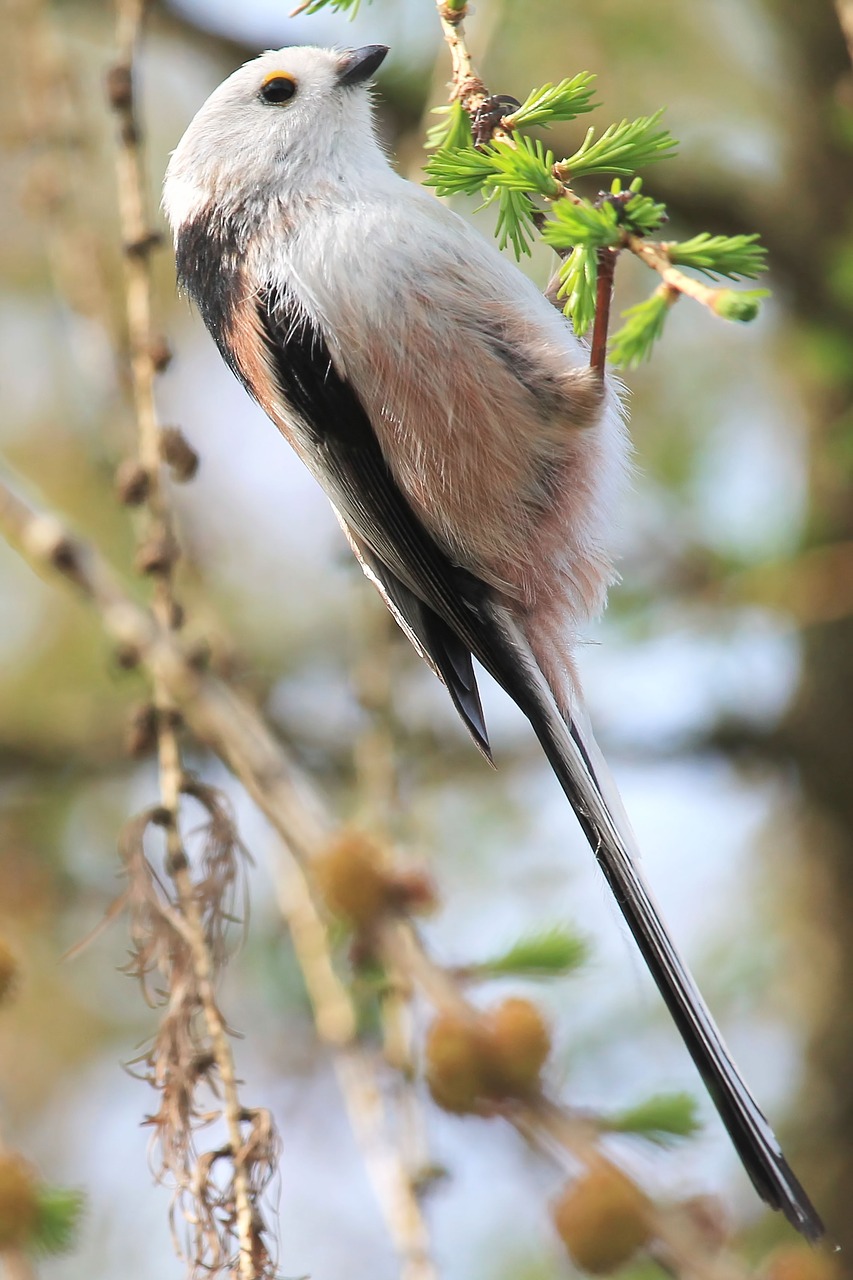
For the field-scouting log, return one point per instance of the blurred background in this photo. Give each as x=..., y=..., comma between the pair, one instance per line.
x=721, y=680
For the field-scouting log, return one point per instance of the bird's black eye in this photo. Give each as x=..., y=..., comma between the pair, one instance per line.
x=278, y=88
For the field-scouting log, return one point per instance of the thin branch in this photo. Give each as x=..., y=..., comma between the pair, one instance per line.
x=654, y=255
x=157, y=556
x=375, y=766
x=336, y=1022
x=467, y=86
x=139, y=240
x=234, y=730
x=603, y=296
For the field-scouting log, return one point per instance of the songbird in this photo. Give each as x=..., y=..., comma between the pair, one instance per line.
x=449, y=413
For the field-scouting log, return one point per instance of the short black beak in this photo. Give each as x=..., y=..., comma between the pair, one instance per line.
x=359, y=64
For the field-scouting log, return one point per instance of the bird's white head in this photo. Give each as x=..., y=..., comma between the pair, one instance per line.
x=293, y=120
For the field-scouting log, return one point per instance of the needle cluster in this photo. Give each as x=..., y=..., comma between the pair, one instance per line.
x=534, y=192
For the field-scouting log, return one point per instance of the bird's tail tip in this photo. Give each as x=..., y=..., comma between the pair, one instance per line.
x=583, y=775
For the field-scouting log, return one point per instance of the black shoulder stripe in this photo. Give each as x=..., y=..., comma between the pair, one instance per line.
x=208, y=254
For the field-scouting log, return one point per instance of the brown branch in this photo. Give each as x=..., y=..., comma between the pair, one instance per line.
x=654, y=255
x=603, y=296
x=467, y=87
x=337, y=1026
x=375, y=767
x=296, y=814
x=234, y=730
x=157, y=555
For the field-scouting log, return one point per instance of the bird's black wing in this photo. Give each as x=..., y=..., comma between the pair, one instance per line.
x=440, y=604
x=432, y=638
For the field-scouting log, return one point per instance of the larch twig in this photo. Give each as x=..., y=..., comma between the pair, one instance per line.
x=468, y=88
x=157, y=556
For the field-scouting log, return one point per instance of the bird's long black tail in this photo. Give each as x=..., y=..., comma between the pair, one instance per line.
x=577, y=762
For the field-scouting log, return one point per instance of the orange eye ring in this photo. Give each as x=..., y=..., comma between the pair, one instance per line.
x=277, y=88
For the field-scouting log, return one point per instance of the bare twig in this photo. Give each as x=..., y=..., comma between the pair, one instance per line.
x=378, y=785
x=157, y=556
x=467, y=87
x=336, y=1023
x=655, y=256
x=234, y=730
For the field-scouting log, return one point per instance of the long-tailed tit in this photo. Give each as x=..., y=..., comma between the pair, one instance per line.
x=445, y=407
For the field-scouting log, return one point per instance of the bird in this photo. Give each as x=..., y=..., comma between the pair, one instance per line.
x=471, y=456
